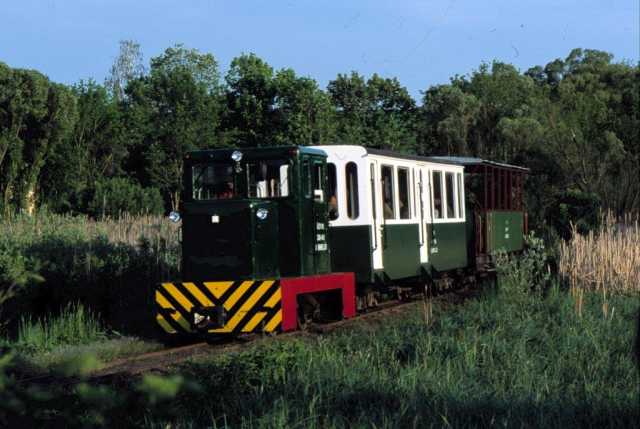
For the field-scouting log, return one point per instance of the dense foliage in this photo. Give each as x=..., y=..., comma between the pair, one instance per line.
x=574, y=122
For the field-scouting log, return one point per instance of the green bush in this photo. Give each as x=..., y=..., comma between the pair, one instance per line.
x=116, y=196
x=526, y=272
x=575, y=207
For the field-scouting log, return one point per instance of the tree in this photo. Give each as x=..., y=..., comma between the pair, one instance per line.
x=349, y=97
x=303, y=114
x=36, y=116
x=127, y=66
x=95, y=149
x=378, y=112
x=448, y=117
x=169, y=113
x=250, y=99
x=202, y=67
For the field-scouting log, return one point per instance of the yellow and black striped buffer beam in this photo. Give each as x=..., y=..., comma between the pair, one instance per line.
x=249, y=305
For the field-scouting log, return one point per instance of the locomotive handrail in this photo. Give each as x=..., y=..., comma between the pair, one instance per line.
x=422, y=228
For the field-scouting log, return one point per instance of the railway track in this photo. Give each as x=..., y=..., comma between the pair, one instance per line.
x=163, y=359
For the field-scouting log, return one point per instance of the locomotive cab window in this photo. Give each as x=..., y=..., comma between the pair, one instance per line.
x=268, y=179
x=316, y=181
x=213, y=182
x=388, y=206
x=351, y=173
x=403, y=193
x=437, y=195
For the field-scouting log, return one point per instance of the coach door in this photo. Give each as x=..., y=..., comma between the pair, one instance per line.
x=377, y=218
x=424, y=214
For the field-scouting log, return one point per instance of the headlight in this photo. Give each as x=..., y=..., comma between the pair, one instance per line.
x=236, y=156
x=262, y=214
x=174, y=217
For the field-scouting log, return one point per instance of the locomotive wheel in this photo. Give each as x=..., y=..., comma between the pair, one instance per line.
x=308, y=311
x=369, y=299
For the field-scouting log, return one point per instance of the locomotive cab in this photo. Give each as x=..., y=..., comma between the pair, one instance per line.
x=254, y=243
x=255, y=213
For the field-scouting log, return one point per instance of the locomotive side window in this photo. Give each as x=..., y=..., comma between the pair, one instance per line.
x=306, y=179
x=268, y=179
x=317, y=176
x=388, y=206
x=332, y=186
x=403, y=193
x=449, y=187
x=351, y=172
x=460, y=198
x=437, y=195
x=213, y=182
x=316, y=181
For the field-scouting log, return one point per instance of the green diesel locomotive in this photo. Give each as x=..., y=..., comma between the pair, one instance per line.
x=274, y=236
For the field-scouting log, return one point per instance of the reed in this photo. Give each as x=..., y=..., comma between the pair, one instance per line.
x=606, y=260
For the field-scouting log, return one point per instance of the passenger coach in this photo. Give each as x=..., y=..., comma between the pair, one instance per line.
x=273, y=237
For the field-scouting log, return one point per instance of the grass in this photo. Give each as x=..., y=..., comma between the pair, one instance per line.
x=51, y=341
x=502, y=360
x=74, y=325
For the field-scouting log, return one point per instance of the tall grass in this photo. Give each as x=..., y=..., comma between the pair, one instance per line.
x=109, y=265
x=606, y=260
x=74, y=325
x=157, y=230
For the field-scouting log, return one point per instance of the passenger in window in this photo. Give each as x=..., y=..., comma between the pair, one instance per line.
x=404, y=210
x=437, y=203
x=225, y=191
x=333, y=208
x=388, y=210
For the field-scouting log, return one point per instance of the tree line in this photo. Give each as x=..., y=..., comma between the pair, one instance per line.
x=104, y=149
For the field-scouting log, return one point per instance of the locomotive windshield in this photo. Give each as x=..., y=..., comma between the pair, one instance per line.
x=253, y=179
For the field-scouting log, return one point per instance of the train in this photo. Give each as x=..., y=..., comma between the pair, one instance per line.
x=274, y=238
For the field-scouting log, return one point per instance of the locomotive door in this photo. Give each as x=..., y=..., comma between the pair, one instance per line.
x=314, y=219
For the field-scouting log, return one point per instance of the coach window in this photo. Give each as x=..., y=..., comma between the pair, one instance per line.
x=403, y=193
x=373, y=190
x=388, y=208
x=414, y=193
x=437, y=194
x=332, y=188
x=460, y=197
x=351, y=173
x=450, y=190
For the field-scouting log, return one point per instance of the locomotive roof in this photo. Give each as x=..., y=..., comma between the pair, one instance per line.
x=249, y=152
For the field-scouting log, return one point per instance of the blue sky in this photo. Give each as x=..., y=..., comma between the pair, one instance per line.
x=422, y=43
